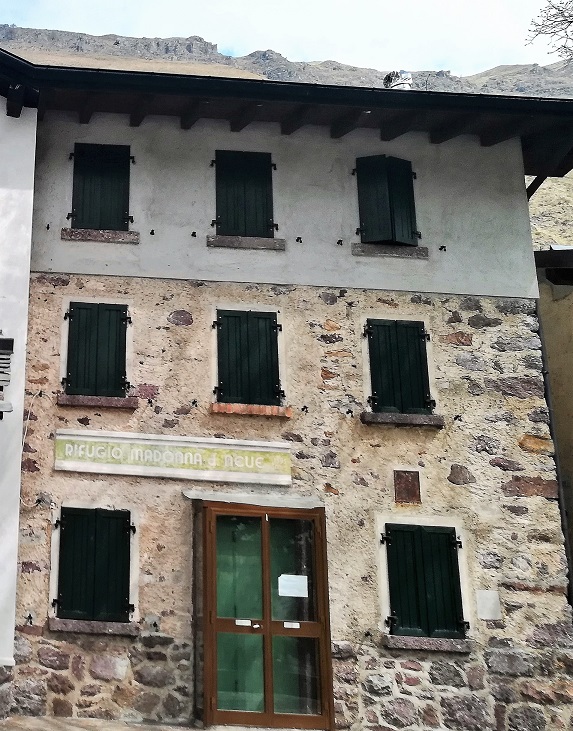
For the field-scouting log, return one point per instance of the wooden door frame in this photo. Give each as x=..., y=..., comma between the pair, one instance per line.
x=325, y=720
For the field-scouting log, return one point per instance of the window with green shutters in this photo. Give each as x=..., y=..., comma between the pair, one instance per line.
x=96, y=349
x=398, y=367
x=247, y=357
x=244, y=193
x=100, y=197
x=94, y=565
x=424, y=581
x=386, y=201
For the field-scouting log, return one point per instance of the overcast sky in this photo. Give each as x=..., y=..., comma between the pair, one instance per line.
x=464, y=36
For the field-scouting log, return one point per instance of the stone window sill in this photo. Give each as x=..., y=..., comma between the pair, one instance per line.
x=100, y=402
x=391, y=250
x=246, y=242
x=91, y=627
x=284, y=412
x=102, y=235
x=426, y=644
x=395, y=419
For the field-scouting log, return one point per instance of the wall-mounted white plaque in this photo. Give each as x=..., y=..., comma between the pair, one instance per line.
x=293, y=585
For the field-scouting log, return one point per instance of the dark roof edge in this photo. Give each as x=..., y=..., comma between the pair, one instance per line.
x=35, y=76
x=554, y=259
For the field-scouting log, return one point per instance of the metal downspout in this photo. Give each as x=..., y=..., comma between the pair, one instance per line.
x=560, y=490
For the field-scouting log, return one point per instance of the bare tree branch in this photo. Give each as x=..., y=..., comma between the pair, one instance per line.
x=555, y=21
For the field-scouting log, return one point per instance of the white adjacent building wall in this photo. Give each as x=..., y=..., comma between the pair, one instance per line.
x=17, y=156
x=471, y=208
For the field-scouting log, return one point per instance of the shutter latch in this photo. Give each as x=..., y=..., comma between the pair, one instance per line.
x=57, y=523
x=218, y=391
x=368, y=330
x=425, y=335
x=456, y=541
x=131, y=608
x=132, y=529
x=127, y=320
x=127, y=218
x=372, y=400
x=55, y=603
x=429, y=403
x=417, y=234
x=359, y=230
x=217, y=324
x=385, y=538
x=279, y=391
x=277, y=327
x=463, y=625
x=215, y=221
x=125, y=384
x=65, y=382
x=71, y=215
x=67, y=315
x=414, y=176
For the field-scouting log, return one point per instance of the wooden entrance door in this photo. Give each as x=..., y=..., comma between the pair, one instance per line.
x=267, y=644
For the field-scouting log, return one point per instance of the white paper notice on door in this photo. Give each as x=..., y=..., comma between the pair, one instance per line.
x=293, y=585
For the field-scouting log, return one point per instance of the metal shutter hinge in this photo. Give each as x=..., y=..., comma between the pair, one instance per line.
x=385, y=538
x=417, y=234
x=67, y=315
x=58, y=523
x=353, y=171
x=127, y=218
x=414, y=175
x=127, y=319
x=390, y=620
x=464, y=624
x=132, y=529
x=372, y=400
x=71, y=156
x=65, y=382
x=215, y=221
x=55, y=603
x=273, y=165
x=125, y=384
x=367, y=330
x=212, y=163
x=217, y=390
x=359, y=230
x=131, y=608
x=430, y=403
x=216, y=324
x=457, y=542
x=71, y=215
x=277, y=327
x=132, y=158
x=273, y=225
x=425, y=335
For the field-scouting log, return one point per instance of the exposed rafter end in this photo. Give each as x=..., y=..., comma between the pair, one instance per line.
x=87, y=109
x=193, y=113
x=15, y=100
x=506, y=130
x=454, y=128
x=244, y=116
x=141, y=110
x=345, y=124
x=398, y=124
x=295, y=120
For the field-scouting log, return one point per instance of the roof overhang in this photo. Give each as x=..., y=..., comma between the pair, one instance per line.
x=558, y=264
x=545, y=126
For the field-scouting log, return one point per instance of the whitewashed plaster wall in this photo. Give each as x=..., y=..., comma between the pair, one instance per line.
x=469, y=199
x=17, y=152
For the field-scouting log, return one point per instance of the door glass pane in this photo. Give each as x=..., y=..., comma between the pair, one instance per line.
x=239, y=570
x=292, y=569
x=295, y=675
x=240, y=683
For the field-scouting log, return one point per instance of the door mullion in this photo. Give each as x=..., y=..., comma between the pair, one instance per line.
x=267, y=616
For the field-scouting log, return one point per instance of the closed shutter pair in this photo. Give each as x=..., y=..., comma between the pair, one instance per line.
x=96, y=349
x=247, y=357
x=94, y=563
x=398, y=367
x=386, y=201
x=424, y=581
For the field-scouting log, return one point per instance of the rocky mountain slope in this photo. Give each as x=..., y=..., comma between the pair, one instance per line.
x=551, y=207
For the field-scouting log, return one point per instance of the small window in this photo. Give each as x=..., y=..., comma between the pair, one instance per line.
x=96, y=349
x=386, y=201
x=94, y=565
x=424, y=581
x=398, y=367
x=247, y=357
x=244, y=194
x=101, y=187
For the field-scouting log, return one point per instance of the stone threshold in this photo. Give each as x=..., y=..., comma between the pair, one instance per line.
x=246, y=242
x=426, y=644
x=103, y=236
x=395, y=419
x=91, y=627
x=100, y=402
x=284, y=412
x=390, y=250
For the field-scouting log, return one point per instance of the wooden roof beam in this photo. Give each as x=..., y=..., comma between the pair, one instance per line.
x=44, y=99
x=397, y=124
x=193, y=113
x=452, y=127
x=15, y=100
x=140, y=110
x=244, y=116
x=493, y=134
x=87, y=108
x=348, y=122
x=295, y=120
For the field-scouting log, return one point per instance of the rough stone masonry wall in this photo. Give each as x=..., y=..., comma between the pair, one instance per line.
x=490, y=468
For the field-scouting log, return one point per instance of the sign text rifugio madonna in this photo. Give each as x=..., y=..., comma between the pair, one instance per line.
x=217, y=460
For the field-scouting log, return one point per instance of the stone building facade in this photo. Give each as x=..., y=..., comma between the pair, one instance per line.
x=473, y=462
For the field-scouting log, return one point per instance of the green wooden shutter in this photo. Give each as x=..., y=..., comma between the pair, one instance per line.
x=244, y=194
x=81, y=370
x=111, y=562
x=232, y=356
x=111, y=339
x=413, y=367
x=100, y=197
x=424, y=582
x=384, y=366
x=76, y=564
x=402, y=209
x=373, y=199
x=263, y=357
